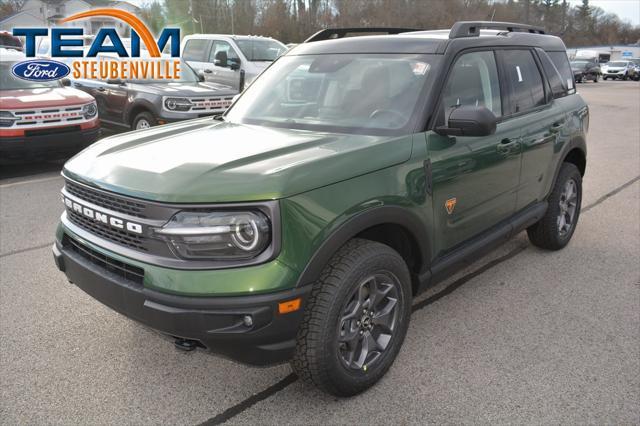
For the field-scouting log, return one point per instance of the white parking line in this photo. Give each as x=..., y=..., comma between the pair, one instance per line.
x=25, y=182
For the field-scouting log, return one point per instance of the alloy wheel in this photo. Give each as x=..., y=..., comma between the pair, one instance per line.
x=368, y=322
x=568, y=204
x=142, y=124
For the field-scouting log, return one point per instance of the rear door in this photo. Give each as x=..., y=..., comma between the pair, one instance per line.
x=475, y=179
x=531, y=107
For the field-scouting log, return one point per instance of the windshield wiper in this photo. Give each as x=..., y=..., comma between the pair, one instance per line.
x=219, y=117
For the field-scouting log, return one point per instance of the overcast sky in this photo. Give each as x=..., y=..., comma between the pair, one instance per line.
x=628, y=10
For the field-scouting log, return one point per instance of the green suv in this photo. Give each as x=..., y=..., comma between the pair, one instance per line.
x=350, y=176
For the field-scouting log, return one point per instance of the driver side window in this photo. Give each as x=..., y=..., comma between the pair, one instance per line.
x=223, y=46
x=473, y=81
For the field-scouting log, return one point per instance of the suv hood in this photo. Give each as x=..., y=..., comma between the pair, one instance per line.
x=185, y=89
x=43, y=97
x=209, y=161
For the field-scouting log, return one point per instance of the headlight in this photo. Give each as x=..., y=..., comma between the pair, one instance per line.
x=223, y=235
x=7, y=119
x=90, y=110
x=177, y=104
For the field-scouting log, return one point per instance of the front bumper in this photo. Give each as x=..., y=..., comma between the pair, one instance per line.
x=216, y=323
x=617, y=74
x=55, y=141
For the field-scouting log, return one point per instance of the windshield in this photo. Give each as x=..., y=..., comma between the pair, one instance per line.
x=579, y=63
x=363, y=93
x=617, y=64
x=8, y=81
x=261, y=49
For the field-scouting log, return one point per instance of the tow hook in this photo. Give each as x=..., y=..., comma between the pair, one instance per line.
x=185, y=345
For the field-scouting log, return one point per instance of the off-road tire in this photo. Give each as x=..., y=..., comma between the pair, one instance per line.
x=317, y=358
x=545, y=233
x=144, y=115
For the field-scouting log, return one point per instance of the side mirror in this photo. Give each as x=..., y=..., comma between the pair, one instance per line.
x=115, y=81
x=467, y=120
x=65, y=82
x=234, y=65
x=221, y=59
x=200, y=75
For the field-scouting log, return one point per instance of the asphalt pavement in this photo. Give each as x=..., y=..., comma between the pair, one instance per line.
x=521, y=336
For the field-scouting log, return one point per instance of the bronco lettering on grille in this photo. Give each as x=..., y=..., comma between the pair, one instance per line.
x=101, y=217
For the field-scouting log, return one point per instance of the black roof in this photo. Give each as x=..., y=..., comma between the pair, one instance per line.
x=463, y=35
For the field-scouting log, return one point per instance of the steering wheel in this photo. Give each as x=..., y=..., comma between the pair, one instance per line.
x=379, y=112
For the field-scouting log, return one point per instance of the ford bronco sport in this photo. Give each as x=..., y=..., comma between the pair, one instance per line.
x=352, y=174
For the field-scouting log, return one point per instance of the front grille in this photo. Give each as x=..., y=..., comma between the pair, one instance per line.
x=111, y=202
x=107, y=232
x=124, y=270
x=56, y=130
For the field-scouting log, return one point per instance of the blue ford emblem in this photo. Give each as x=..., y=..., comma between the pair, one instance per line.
x=40, y=70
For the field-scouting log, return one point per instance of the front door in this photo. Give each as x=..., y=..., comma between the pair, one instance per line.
x=475, y=179
x=229, y=73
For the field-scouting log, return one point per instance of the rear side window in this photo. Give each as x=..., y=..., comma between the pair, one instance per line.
x=194, y=50
x=553, y=75
x=561, y=61
x=524, y=79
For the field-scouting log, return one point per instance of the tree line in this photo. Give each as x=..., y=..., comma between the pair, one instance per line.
x=291, y=21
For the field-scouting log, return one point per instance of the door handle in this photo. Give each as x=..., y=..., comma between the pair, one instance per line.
x=557, y=126
x=208, y=71
x=101, y=89
x=506, y=145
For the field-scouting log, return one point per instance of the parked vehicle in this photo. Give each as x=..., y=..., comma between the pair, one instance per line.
x=9, y=41
x=140, y=104
x=39, y=118
x=232, y=60
x=636, y=67
x=621, y=70
x=585, y=70
x=349, y=177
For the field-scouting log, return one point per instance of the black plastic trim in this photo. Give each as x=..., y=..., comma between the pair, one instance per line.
x=216, y=323
x=471, y=250
x=367, y=219
x=463, y=29
x=335, y=33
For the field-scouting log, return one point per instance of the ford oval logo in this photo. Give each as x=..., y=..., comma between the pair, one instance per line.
x=40, y=70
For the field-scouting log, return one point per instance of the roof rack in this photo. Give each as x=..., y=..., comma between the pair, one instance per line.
x=472, y=28
x=334, y=33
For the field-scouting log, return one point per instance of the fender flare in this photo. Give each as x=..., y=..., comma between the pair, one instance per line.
x=576, y=142
x=139, y=103
x=353, y=226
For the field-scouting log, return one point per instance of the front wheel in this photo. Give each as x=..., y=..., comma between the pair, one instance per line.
x=355, y=320
x=604, y=77
x=557, y=226
x=595, y=79
x=143, y=120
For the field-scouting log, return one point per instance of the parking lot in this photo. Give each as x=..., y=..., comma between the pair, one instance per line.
x=523, y=335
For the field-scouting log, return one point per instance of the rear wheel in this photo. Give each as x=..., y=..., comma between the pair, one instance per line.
x=556, y=228
x=355, y=320
x=604, y=77
x=143, y=120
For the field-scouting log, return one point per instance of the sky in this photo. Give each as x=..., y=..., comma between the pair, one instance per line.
x=627, y=10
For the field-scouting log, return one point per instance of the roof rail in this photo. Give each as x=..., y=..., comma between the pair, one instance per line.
x=472, y=28
x=334, y=33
